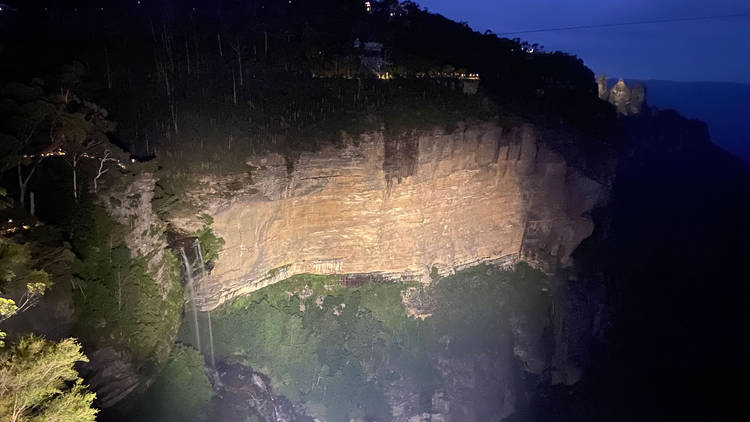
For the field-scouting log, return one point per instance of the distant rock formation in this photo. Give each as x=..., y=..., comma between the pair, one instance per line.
x=627, y=100
x=601, y=82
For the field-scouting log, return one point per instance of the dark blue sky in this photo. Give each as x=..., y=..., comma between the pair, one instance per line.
x=716, y=50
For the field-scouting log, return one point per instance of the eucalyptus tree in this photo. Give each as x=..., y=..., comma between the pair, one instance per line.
x=79, y=128
x=38, y=382
x=25, y=114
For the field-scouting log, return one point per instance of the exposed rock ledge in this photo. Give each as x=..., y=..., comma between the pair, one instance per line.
x=395, y=209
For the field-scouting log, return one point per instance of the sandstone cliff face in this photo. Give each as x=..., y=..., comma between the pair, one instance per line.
x=395, y=208
x=111, y=372
x=129, y=203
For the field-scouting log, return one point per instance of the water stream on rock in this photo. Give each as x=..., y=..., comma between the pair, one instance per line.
x=189, y=276
x=199, y=254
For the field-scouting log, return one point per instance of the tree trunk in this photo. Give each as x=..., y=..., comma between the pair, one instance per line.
x=102, y=170
x=75, y=182
x=24, y=182
x=21, y=187
x=33, y=205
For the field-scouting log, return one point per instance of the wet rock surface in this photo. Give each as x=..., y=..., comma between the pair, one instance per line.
x=112, y=376
x=242, y=394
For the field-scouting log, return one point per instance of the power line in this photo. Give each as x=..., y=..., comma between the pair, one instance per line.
x=607, y=25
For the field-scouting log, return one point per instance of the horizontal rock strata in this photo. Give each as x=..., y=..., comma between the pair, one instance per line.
x=394, y=209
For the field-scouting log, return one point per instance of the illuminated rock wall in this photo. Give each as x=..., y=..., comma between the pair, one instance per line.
x=394, y=209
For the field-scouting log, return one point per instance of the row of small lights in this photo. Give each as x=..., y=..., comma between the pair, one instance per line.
x=14, y=229
x=469, y=76
x=61, y=153
x=57, y=153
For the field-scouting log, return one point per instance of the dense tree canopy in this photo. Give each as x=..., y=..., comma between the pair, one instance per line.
x=39, y=383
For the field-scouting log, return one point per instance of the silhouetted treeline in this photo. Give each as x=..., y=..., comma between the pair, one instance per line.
x=264, y=75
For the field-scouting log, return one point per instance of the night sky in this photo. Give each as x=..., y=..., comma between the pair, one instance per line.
x=712, y=50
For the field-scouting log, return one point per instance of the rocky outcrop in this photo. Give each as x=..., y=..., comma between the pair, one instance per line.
x=113, y=373
x=394, y=209
x=627, y=100
x=128, y=202
x=244, y=394
x=578, y=318
x=112, y=376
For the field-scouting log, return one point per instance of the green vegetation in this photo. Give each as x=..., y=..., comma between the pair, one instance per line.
x=210, y=244
x=116, y=300
x=273, y=271
x=473, y=307
x=335, y=348
x=39, y=383
x=182, y=393
x=18, y=278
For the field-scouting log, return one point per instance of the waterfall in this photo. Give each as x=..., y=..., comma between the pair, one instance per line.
x=199, y=253
x=211, y=340
x=189, y=274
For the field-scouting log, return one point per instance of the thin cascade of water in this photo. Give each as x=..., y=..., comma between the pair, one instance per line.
x=189, y=274
x=199, y=253
x=211, y=340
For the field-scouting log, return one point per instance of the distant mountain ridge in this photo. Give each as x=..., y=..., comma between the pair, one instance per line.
x=724, y=106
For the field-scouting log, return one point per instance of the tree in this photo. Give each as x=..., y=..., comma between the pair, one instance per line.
x=38, y=382
x=18, y=279
x=78, y=128
x=209, y=243
x=24, y=119
x=34, y=123
x=102, y=170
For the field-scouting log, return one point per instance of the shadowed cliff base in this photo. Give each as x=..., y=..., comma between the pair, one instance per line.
x=668, y=249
